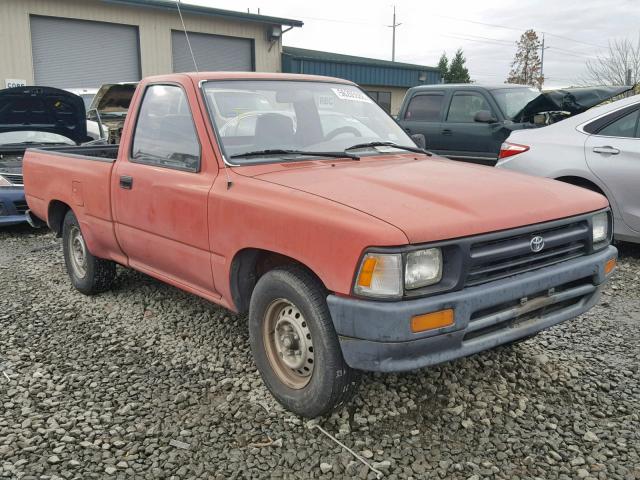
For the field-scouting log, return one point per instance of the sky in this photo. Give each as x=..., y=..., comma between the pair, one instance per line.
x=575, y=31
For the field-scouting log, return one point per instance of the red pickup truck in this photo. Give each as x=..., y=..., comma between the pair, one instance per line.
x=300, y=201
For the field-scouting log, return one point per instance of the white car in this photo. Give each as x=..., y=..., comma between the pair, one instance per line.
x=598, y=149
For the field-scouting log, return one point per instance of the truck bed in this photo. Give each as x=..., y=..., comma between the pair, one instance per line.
x=80, y=178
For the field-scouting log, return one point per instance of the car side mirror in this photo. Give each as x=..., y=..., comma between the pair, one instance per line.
x=484, y=116
x=419, y=139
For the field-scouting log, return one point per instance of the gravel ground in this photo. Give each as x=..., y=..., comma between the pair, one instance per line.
x=150, y=382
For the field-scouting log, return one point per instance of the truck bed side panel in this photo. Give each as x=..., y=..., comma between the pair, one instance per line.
x=83, y=184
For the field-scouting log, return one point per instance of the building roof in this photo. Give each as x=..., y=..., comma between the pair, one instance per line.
x=213, y=12
x=340, y=58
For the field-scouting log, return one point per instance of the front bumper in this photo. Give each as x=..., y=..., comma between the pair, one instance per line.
x=12, y=206
x=376, y=336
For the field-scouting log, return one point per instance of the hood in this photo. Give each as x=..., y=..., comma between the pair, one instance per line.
x=114, y=98
x=434, y=199
x=572, y=100
x=43, y=109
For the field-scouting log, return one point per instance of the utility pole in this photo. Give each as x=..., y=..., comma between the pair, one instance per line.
x=542, y=61
x=628, y=77
x=393, y=42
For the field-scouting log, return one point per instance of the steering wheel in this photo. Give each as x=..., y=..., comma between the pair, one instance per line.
x=342, y=130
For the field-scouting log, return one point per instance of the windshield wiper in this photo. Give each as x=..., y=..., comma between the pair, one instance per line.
x=389, y=144
x=20, y=144
x=260, y=153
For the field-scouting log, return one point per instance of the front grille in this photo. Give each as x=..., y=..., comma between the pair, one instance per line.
x=514, y=314
x=13, y=178
x=511, y=255
x=21, y=207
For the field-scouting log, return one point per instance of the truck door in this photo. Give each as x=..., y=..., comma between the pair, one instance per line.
x=613, y=154
x=160, y=189
x=423, y=114
x=464, y=137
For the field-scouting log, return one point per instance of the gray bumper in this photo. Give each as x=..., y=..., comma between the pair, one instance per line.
x=376, y=336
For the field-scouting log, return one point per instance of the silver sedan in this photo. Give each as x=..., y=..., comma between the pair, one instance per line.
x=598, y=149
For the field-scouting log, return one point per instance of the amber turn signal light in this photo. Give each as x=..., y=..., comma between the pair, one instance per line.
x=610, y=266
x=429, y=321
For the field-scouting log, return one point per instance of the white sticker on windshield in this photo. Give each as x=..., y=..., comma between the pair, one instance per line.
x=352, y=94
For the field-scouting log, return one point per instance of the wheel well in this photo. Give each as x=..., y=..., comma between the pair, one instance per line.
x=55, y=216
x=582, y=182
x=248, y=266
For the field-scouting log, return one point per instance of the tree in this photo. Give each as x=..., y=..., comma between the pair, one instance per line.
x=612, y=68
x=526, y=68
x=457, y=72
x=443, y=66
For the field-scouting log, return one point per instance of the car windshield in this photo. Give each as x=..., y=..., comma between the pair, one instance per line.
x=257, y=115
x=513, y=100
x=33, y=137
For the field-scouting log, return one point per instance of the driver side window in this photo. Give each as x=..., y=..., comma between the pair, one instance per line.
x=465, y=105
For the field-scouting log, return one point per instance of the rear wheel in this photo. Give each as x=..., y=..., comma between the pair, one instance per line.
x=88, y=274
x=295, y=346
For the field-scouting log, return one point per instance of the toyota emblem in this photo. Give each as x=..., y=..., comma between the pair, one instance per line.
x=536, y=244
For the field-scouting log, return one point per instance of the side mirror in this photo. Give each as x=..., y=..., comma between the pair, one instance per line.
x=484, y=116
x=420, y=140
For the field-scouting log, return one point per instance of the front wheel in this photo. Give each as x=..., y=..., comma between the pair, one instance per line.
x=88, y=274
x=295, y=346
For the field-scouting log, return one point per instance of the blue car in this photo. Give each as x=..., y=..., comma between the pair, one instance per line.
x=33, y=117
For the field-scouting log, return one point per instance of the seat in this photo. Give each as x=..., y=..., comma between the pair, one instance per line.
x=274, y=130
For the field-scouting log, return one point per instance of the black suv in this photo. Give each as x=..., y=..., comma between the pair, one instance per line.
x=469, y=122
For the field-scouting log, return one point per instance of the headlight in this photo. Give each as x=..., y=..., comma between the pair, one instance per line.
x=600, y=227
x=424, y=267
x=380, y=275
x=4, y=182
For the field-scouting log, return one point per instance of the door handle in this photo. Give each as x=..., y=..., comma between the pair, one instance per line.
x=607, y=150
x=446, y=131
x=126, y=182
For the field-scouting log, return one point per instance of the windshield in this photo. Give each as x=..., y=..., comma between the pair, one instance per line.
x=512, y=100
x=31, y=137
x=260, y=115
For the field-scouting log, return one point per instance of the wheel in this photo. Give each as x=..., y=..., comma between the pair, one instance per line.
x=295, y=346
x=88, y=274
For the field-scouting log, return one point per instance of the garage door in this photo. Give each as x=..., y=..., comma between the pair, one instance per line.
x=71, y=53
x=212, y=52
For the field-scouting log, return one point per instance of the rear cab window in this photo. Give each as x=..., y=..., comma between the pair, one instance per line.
x=425, y=107
x=465, y=105
x=165, y=135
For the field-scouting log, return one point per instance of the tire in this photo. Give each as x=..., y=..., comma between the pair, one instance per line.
x=88, y=274
x=290, y=301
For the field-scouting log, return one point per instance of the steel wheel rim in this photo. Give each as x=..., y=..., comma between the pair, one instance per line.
x=77, y=252
x=288, y=343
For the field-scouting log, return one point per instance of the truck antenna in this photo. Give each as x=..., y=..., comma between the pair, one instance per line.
x=186, y=35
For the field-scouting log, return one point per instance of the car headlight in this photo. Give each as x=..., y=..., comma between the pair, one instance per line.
x=4, y=182
x=381, y=274
x=423, y=267
x=600, y=227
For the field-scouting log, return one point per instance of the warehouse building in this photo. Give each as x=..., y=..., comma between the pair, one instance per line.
x=386, y=82
x=85, y=43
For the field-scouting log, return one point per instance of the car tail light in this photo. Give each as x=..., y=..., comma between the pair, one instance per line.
x=509, y=149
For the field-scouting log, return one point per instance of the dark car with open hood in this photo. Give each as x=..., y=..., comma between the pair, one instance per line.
x=469, y=122
x=33, y=117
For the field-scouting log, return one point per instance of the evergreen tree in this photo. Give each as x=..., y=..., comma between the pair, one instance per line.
x=526, y=67
x=443, y=66
x=458, y=73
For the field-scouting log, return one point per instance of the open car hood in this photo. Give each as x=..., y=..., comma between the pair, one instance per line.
x=572, y=100
x=43, y=109
x=114, y=98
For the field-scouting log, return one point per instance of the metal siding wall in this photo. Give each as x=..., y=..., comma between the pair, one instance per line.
x=77, y=53
x=154, y=27
x=212, y=52
x=360, y=74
